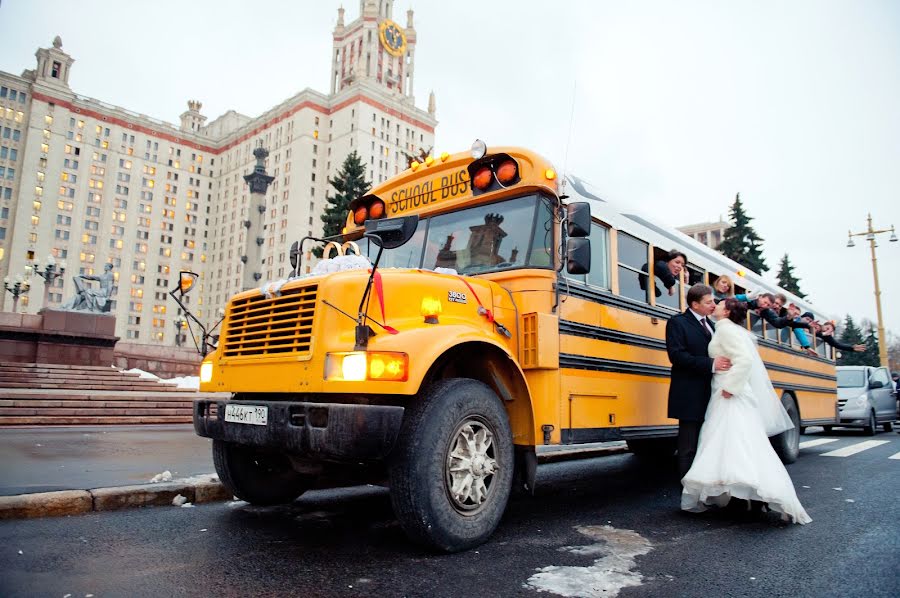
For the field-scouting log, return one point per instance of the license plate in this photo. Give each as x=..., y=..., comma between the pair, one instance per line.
x=247, y=414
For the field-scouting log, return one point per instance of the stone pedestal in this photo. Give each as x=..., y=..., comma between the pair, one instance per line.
x=57, y=336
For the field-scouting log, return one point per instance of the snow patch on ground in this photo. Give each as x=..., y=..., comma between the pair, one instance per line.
x=165, y=476
x=612, y=571
x=190, y=382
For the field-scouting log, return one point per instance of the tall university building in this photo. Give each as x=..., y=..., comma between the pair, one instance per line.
x=91, y=183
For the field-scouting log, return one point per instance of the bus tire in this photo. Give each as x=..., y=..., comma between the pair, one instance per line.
x=787, y=444
x=258, y=477
x=452, y=470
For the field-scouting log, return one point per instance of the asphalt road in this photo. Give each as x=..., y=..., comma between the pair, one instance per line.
x=595, y=527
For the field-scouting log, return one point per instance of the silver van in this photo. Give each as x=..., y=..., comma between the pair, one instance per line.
x=865, y=398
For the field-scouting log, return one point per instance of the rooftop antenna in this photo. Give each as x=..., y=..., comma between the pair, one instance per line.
x=568, y=141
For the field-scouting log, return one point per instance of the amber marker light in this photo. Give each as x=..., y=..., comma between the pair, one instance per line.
x=741, y=273
x=414, y=165
x=430, y=308
x=482, y=179
x=507, y=171
x=549, y=174
x=429, y=160
x=444, y=156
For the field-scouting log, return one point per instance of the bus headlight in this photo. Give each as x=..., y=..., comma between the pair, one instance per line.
x=356, y=366
x=206, y=371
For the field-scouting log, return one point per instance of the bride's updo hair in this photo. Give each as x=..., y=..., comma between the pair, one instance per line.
x=737, y=311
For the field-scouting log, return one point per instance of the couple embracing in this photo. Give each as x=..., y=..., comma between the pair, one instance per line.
x=726, y=409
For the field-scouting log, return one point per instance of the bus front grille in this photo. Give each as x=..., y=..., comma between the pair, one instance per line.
x=271, y=326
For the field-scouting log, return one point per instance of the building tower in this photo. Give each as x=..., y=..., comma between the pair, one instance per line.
x=258, y=182
x=192, y=120
x=374, y=49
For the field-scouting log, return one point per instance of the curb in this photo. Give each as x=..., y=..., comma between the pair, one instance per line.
x=77, y=502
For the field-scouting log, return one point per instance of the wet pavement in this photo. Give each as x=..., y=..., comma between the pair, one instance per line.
x=43, y=459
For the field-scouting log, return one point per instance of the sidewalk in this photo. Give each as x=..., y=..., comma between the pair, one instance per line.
x=44, y=459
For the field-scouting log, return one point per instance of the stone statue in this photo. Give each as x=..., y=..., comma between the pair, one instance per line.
x=92, y=299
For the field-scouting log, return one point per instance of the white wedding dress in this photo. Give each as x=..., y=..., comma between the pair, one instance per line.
x=734, y=457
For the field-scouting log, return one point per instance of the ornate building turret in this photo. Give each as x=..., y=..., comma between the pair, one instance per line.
x=192, y=120
x=258, y=181
x=53, y=65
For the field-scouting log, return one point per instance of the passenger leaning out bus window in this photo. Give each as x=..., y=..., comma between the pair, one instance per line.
x=667, y=270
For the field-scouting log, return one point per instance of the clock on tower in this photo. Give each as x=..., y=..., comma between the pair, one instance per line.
x=392, y=37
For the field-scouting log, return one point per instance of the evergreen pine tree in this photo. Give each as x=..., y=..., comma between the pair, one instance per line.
x=870, y=355
x=786, y=278
x=741, y=243
x=350, y=183
x=851, y=335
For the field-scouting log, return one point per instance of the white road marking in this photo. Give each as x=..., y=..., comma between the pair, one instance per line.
x=613, y=570
x=855, y=448
x=816, y=442
x=895, y=456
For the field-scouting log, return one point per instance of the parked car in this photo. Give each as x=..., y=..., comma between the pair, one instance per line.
x=865, y=398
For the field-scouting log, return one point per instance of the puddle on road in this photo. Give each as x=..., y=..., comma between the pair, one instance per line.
x=612, y=571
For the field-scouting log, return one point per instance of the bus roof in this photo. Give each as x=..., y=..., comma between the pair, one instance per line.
x=644, y=227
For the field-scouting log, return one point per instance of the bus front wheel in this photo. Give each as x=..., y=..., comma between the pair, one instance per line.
x=258, y=477
x=787, y=444
x=452, y=470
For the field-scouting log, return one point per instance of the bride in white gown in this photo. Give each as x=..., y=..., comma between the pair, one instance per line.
x=734, y=457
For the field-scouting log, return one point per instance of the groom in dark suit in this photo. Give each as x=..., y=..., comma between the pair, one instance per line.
x=687, y=338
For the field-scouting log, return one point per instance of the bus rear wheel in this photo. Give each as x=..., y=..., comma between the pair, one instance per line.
x=258, y=477
x=451, y=473
x=787, y=444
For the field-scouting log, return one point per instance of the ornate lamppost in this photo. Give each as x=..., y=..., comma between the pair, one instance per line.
x=50, y=272
x=180, y=323
x=869, y=234
x=19, y=287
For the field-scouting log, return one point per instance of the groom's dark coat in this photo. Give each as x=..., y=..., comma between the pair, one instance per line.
x=690, y=387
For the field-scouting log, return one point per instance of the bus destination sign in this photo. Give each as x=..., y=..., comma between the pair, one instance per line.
x=423, y=193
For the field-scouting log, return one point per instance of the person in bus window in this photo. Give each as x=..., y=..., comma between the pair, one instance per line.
x=826, y=334
x=667, y=270
x=723, y=288
x=735, y=459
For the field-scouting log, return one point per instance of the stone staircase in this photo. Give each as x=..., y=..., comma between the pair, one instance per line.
x=50, y=394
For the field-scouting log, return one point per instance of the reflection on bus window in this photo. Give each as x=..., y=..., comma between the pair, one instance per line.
x=491, y=237
x=632, y=259
x=408, y=255
x=542, y=239
x=756, y=323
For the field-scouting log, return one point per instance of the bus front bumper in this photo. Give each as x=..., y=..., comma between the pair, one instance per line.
x=327, y=431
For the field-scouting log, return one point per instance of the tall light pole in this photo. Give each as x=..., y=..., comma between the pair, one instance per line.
x=869, y=234
x=19, y=286
x=49, y=272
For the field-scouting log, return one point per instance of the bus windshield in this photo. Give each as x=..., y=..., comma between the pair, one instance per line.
x=510, y=234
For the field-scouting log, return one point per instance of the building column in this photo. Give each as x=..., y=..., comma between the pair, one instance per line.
x=259, y=182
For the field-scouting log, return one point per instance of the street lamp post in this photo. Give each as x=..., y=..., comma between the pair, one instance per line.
x=869, y=234
x=180, y=322
x=18, y=287
x=49, y=273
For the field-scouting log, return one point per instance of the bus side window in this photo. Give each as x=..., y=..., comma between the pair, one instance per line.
x=756, y=323
x=694, y=275
x=632, y=268
x=599, y=274
x=663, y=298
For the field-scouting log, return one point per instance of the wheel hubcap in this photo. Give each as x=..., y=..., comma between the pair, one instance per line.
x=471, y=465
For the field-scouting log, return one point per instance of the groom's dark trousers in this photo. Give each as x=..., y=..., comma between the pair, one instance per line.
x=692, y=370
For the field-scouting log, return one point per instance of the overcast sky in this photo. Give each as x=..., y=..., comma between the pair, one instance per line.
x=673, y=107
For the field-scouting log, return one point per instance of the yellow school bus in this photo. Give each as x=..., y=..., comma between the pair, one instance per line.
x=498, y=309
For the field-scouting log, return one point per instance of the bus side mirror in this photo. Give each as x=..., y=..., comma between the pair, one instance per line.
x=578, y=256
x=578, y=219
x=390, y=233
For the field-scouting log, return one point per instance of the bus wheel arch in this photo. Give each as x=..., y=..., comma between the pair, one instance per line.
x=494, y=367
